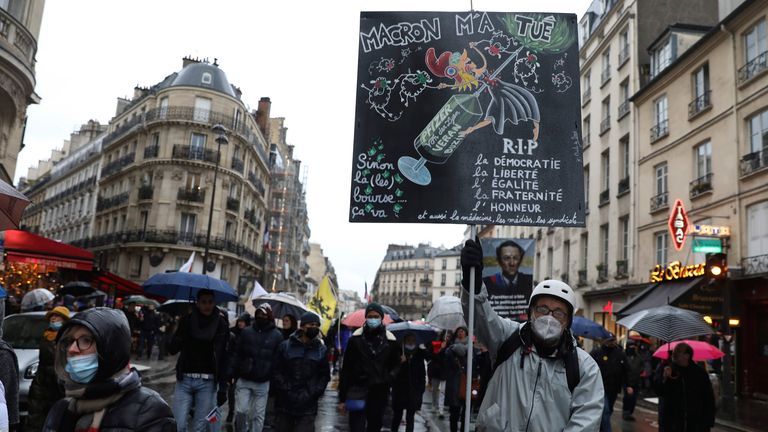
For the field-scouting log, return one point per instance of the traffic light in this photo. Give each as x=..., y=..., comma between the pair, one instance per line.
x=717, y=266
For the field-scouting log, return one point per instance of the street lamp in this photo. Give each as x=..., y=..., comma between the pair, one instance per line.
x=221, y=138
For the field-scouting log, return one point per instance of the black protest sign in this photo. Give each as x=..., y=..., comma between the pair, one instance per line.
x=508, y=275
x=468, y=118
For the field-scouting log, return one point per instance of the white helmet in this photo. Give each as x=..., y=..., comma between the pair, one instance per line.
x=554, y=288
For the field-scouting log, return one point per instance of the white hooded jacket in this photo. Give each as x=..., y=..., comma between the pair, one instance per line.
x=536, y=396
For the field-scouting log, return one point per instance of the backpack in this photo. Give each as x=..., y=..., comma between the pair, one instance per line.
x=519, y=338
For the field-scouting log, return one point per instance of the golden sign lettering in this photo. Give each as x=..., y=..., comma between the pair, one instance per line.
x=675, y=271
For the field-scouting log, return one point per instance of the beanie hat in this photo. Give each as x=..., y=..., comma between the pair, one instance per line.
x=309, y=317
x=58, y=310
x=374, y=307
x=266, y=308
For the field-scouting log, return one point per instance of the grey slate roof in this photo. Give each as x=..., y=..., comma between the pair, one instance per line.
x=192, y=76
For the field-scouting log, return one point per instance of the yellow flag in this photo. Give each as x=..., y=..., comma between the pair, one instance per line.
x=323, y=303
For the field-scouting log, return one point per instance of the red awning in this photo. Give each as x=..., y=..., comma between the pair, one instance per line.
x=28, y=248
x=107, y=279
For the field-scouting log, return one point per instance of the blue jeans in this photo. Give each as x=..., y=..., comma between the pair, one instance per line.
x=605, y=422
x=200, y=394
x=250, y=405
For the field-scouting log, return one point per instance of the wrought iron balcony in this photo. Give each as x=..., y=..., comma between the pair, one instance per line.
x=622, y=268
x=699, y=104
x=602, y=272
x=623, y=109
x=660, y=130
x=660, y=201
x=754, y=161
x=117, y=165
x=121, y=131
x=605, y=124
x=585, y=141
x=701, y=185
x=237, y=165
x=623, y=185
x=146, y=192
x=151, y=151
x=605, y=197
x=624, y=54
x=182, y=151
x=753, y=67
x=194, y=194
x=605, y=75
x=586, y=96
x=753, y=265
x=233, y=204
x=582, y=277
x=108, y=203
x=250, y=216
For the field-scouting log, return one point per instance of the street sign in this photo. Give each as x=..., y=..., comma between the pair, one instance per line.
x=678, y=224
x=707, y=245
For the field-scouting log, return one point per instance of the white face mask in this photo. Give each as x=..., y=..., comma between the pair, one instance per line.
x=547, y=329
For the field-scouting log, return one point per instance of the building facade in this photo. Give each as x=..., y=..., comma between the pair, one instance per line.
x=319, y=267
x=446, y=278
x=288, y=245
x=20, y=22
x=404, y=279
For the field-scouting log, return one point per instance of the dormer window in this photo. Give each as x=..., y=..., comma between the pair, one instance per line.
x=207, y=78
x=661, y=57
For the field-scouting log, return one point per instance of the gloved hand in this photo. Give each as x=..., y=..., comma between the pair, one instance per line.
x=472, y=256
x=221, y=397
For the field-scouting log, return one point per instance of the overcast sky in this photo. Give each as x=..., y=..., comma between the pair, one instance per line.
x=303, y=55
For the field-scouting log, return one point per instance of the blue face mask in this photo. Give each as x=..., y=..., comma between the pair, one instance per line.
x=373, y=322
x=55, y=325
x=83, y=368
x=410, y=347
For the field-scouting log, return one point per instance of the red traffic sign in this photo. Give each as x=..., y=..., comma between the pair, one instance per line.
x=678, y=224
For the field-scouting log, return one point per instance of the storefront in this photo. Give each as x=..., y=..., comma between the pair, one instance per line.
x=751, y=301
x=601, y=305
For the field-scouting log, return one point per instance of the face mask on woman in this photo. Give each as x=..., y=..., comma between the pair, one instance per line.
x=373, y=322
x=82, y=368
x=56, y=325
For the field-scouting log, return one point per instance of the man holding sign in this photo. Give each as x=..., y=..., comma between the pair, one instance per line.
x=509, y=289
x=542, y=381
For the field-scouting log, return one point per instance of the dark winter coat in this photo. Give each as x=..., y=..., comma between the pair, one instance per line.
x=139, y=409
x=410, y=381
x=254, y=353
x=613, y=368
x=45, y=389
x=300, y=375
x=150, y=322
x=206, y=341
x=372, y=359
x=635, y=365
x=9, y=375
x=689, y=403
x=455, y=366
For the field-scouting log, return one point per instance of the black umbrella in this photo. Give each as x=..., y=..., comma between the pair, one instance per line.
x=76, y=288
x=667, y=323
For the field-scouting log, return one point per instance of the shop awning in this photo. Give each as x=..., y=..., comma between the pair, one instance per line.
x=106, y=280
x=28, y=248
x=659, y=295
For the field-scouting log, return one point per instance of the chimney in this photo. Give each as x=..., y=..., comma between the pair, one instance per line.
x=122, y=104
x=262, y=115
x=186, y=61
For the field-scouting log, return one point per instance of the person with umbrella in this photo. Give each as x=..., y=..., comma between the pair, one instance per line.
x=290, y=325
x=45, y=389
x=201, y=369
x=149, y=325
x=301, y=374
x=371, y=359
x=685, y=392
x=612, y=362
x=252, y=366
x=409, y=384
x=103, y=391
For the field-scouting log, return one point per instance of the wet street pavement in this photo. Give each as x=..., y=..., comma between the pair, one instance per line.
x=328, y=419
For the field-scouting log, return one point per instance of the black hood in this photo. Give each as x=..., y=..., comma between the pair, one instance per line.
x=113, y=339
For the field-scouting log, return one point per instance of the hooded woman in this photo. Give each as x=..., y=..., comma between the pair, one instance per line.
x=102, y=391
x=45, y=389
x=455, y=368
x=290, y=325
x=409, y=385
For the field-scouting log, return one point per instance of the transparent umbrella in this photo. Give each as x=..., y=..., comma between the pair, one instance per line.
x=36, y=297
x=446, y=313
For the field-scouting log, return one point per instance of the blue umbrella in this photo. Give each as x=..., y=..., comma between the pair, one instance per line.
x=588, y=329
x=3, y=294
x=392, y=313
x=184, y=286
x=424, y=333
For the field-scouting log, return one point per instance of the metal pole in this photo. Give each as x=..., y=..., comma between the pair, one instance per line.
x=220, y=139
x=470, y=351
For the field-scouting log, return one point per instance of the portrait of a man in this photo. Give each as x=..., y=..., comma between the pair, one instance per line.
x=509, y=288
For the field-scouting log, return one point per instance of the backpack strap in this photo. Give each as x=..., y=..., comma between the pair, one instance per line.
x=572, y=374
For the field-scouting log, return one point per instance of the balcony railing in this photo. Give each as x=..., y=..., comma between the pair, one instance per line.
x=660, y=130
x=701, y=185
x=753, y=67
x=605, y=197
x=117, y=165
x=13, y=33
x=585, y=141
x=250, y=216
x=660, y=201
x=233, y=204
x=621, y=269
x=256, y=183
x=151, y=151
x=623, y=55
x=754, y=161
x=623, y=109
x=108, y=203
x=699, y=104
x=181, y=151
x=146, y=192
x=605, y=75
x=755, y=264
x=605, y=124
x=582, y=277
x=121, y=131
x=191, y=194
x=602, y=273
x=237, y=165
x=623, y=185
x=586, y=95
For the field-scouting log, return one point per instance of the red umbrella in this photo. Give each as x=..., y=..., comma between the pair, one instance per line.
x=642, y=339
x=701, y=350
x=357, y=319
